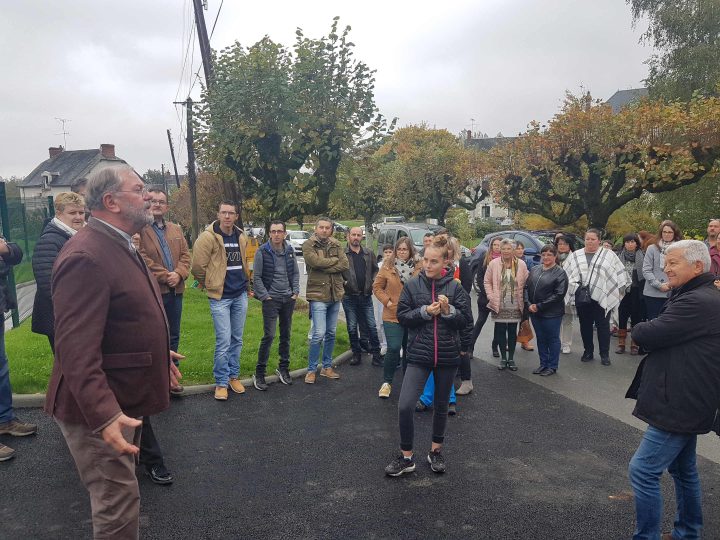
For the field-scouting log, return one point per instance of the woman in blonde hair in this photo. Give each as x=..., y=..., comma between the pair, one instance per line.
x=69, y=218
x=504, y=285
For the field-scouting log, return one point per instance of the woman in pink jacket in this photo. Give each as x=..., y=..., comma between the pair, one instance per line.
x=504, y=285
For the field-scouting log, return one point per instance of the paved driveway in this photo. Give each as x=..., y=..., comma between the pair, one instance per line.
x=307, y=462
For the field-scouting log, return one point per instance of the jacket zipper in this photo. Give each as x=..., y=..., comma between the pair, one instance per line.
x=435, y=336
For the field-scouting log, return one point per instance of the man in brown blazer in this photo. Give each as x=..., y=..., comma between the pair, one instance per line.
x=165, y=251
x=112, y=350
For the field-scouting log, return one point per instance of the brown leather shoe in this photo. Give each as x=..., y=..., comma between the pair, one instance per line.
x=16, y=428
x=6, y=453
x=330, y=373
x=310, y=377
x=237, y=386
x=221, y=393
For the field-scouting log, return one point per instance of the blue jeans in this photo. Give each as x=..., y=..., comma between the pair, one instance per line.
x=173, y=311
x=428, y=394
x=229, y=319
x=660, y=450
x=324, y=321
x=359, y=311
x=547, y=331
x=6, y=408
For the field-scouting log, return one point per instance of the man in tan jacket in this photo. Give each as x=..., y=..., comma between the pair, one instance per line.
x=165, y=251
x=325, y=260
x=219, y=266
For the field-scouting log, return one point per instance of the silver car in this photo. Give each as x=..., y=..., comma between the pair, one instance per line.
x=297, y=239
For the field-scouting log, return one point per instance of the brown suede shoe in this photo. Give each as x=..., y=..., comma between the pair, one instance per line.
x=6, y=453
x=330, y=373
x=221, y=393
x=310, y=377
x=16, y=428
x=236, y=386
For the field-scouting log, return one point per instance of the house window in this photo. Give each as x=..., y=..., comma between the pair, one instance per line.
x=485, y=211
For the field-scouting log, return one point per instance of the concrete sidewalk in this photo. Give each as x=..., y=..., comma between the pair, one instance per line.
x=599, y=387
x=307, y=462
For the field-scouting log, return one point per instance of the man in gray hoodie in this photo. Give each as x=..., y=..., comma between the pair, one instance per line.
x=276, y=282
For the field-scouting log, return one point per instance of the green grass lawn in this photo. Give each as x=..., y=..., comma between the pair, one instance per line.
x=31, y=359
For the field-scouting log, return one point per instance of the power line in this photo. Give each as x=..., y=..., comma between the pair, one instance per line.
x=197, y=73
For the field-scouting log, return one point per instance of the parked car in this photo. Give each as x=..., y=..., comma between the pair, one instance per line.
x=390, y=233
x=339, y=227
x=386, y=220
x=297, y=239
x=532, y=240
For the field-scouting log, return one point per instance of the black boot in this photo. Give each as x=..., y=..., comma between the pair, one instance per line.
x=378, y=359
x=356, y=358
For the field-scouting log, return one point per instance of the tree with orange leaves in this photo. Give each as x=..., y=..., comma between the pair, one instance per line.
x=589, y=162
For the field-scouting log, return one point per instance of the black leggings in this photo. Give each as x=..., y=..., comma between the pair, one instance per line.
x=506, y=336
x=412, y=386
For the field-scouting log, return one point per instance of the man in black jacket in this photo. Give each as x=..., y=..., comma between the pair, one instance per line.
x=677, y=388
x=357, y=301
x=10, y=255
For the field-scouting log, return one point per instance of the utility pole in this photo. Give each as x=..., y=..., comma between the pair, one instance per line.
x=192, y=178
x=172, y=153
x=204, y=42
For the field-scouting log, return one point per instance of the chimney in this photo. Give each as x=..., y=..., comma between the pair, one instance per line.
x=107, y=150
x=55, y=151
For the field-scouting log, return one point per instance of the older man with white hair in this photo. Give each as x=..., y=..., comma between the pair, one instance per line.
x=677, y=388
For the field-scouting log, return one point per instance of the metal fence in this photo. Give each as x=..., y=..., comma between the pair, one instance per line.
x=23, y=223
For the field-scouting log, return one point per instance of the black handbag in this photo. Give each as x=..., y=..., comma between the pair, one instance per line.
x=582, y=294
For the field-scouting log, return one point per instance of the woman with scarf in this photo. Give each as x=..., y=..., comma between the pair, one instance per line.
x=631, y=305
x=657, y=288
x=482, y=302
x=504, y=285
x=565, y=246
x=394, y=273
x=436, y=311
x=69, y=219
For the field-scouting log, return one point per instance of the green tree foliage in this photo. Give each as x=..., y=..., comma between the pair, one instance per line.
x=432, y=172
x=686, y=34
x=591, y=162
x=361, y=189
x=281, y=119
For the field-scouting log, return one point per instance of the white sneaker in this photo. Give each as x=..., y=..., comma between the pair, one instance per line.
x=384, y=391
x=566, y=349
x=465, y=388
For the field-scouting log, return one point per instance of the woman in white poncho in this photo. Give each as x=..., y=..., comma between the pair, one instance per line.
x=602, y=272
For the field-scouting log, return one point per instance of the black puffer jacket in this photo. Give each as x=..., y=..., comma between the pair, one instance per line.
x=435, y=341
x=482, y=299
x=546, y=289
x=677, y=385
x=7, y=300
x=48, y=247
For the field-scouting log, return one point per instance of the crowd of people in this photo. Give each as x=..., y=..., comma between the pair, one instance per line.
x=660, y=291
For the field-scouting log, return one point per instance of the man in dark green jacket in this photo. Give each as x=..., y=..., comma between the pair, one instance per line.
x=325, y=261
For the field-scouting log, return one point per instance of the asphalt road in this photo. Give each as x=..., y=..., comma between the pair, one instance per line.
x=307, y=462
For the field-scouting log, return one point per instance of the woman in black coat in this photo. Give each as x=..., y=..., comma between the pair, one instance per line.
x=545, y=297
x=69, y=218
x=436, y=311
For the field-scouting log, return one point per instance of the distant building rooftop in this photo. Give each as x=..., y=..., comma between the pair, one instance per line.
x=64, y=166
x=622, y=98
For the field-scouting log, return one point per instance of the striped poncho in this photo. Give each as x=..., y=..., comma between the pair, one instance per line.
x=609, y=279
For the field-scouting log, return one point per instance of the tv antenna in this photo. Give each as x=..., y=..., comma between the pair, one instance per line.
x=64, y=133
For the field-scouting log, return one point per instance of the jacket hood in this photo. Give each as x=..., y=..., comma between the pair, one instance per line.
x=317, y=241
x=214, y=227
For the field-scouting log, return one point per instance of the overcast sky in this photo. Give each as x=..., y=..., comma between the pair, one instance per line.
x=113, y=69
